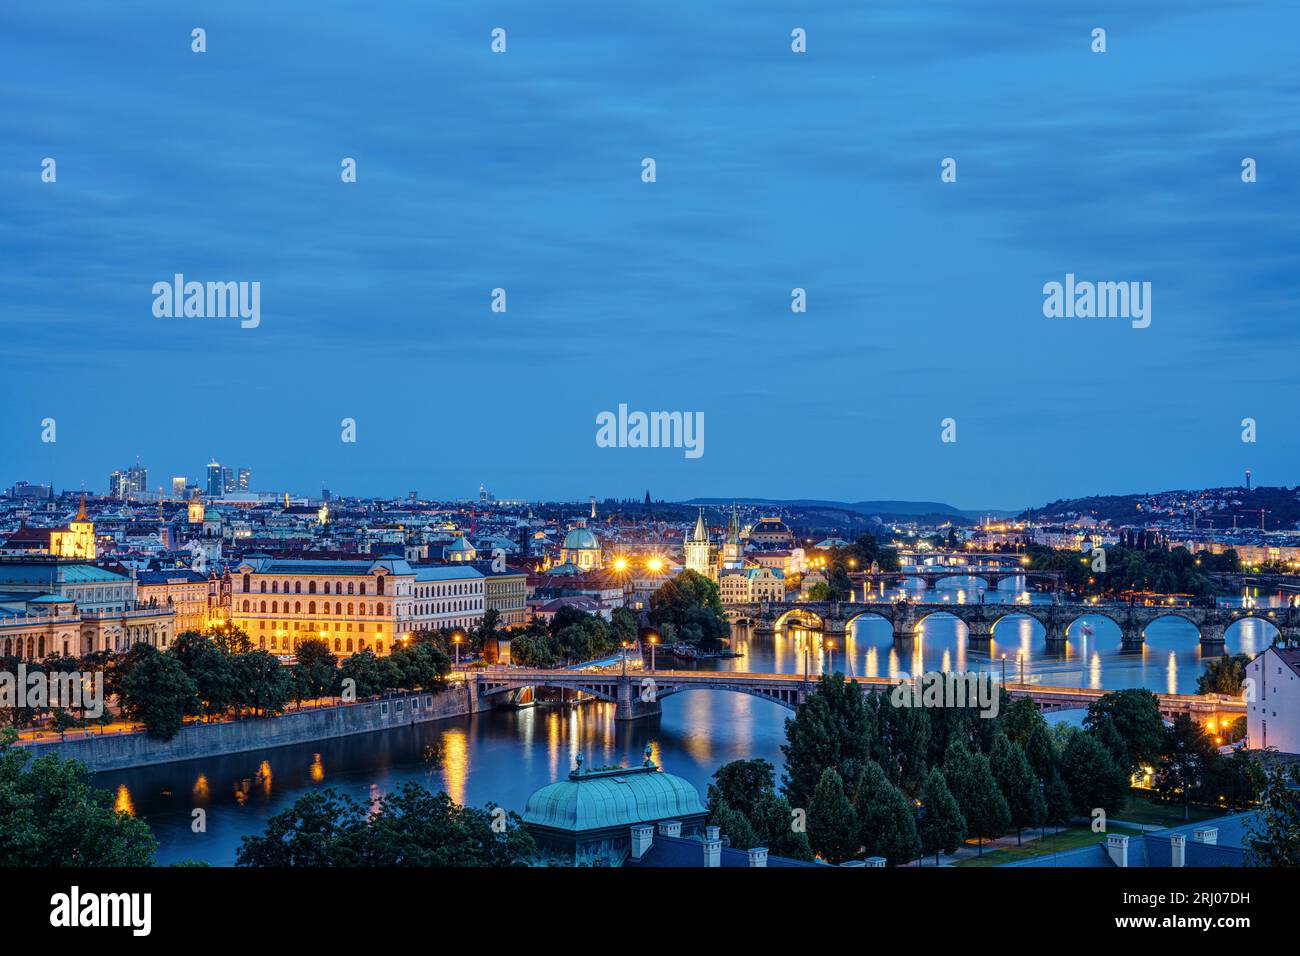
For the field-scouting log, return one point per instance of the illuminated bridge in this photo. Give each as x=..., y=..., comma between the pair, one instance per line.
x=638, y=693
x=906, y=617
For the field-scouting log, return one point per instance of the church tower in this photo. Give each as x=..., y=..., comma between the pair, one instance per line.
x=696, y=548
x=733, y=557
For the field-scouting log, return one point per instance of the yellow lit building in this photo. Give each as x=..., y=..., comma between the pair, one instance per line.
x=77, y=540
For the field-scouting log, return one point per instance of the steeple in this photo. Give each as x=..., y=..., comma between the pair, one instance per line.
x=701, y=532
x=81, y=512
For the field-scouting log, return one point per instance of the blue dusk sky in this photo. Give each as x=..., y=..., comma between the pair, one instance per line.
x=775, y=170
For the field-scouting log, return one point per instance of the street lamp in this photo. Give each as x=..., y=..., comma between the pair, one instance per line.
x=455, y=640
x=1020, y=657
x=625, y=658
x=830, y=653
x=653, y=638
x=1004, y=668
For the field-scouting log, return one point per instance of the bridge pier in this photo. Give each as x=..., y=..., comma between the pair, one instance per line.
x=979, y=633
x=1212, y=639
x=636, y=699
x=1131, y=639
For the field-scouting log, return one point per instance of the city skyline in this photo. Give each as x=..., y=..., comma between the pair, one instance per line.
x=775, y=172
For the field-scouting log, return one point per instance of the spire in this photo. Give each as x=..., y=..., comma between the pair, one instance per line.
x=81, y=512
x=701, y=532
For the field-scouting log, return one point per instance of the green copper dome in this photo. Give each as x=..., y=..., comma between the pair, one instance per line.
x=580, y=539
x=612, y=798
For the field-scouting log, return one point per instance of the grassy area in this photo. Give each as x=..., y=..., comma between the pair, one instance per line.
x=1142, y=809
x=1070, y=839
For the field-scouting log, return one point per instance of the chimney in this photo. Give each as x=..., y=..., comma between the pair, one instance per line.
x=712, y=847
x=1207, y=835
x=670, y=828
x=875, y=861
x=758, y=856
x=1178, y=849
x=643, y=837
x=1117, y=848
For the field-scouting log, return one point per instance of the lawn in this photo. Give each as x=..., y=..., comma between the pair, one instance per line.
x=1070, y=839
x=1142, y=809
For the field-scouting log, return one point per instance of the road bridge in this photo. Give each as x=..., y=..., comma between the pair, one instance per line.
x=638, y=693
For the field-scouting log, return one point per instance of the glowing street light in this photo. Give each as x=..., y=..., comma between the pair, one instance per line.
x=455, y=640
x=653, y=639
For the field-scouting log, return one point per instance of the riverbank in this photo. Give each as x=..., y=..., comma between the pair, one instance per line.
x=196, y=740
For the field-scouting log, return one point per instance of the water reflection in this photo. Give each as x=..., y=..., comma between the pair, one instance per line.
x=502, y=756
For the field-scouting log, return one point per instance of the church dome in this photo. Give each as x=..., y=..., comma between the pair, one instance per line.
x=580, y=539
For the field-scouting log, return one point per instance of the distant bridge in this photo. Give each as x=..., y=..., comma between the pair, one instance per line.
x=638, y=693
x=906, y=617
x=932, y=575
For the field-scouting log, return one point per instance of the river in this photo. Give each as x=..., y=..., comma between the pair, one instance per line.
x=503, y=755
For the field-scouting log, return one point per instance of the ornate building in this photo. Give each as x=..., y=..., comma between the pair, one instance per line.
x=581, y=548
x=77, y=540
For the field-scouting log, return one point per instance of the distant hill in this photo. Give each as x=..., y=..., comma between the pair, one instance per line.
x=1217, y=508
x=884, y=509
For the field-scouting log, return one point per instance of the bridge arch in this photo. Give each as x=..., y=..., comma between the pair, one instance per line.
x=799, y=612
x=1171, y=613
x=856, y=615
x=1268, y=631
x=1074, y=621
x=1018, y=611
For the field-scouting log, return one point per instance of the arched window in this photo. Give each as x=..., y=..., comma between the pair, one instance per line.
x=363, y=587
x=338, y=607
x=311, y=607
x=361, y=609
x=275, y=607
x=311, y=588
x=350, y=611
x=275, y=587
x=246, y=603
x=379, y=585
x=263, y=611
x=263, y=587
x=349, y=587
x=248, y=583
x=349, y=645
x=338, y=644
x=297, y=606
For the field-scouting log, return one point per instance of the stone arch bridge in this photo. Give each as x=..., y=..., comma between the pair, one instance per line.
x=933, y=574
x=906, y=617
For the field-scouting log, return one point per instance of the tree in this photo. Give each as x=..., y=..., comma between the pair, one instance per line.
x=1223, y=676
x=886, y=820
x=692, y=605
x=315, y=670
x=1273, y=835
x=832, y=727
x=942, y=827
x=1021, y=788
x=419, y=667
x=52, y=815
x=743, y=801
x=1135, y=715
x=1186, y=758
x=211, y=670
x=157, y=692
x=1021, y=718
x=832, y=827
x=409, y=827
x=902, y=742
x=265, y=685
x=1090, y=773
x=369, y=674
x=231, y=639
x=972, y=784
